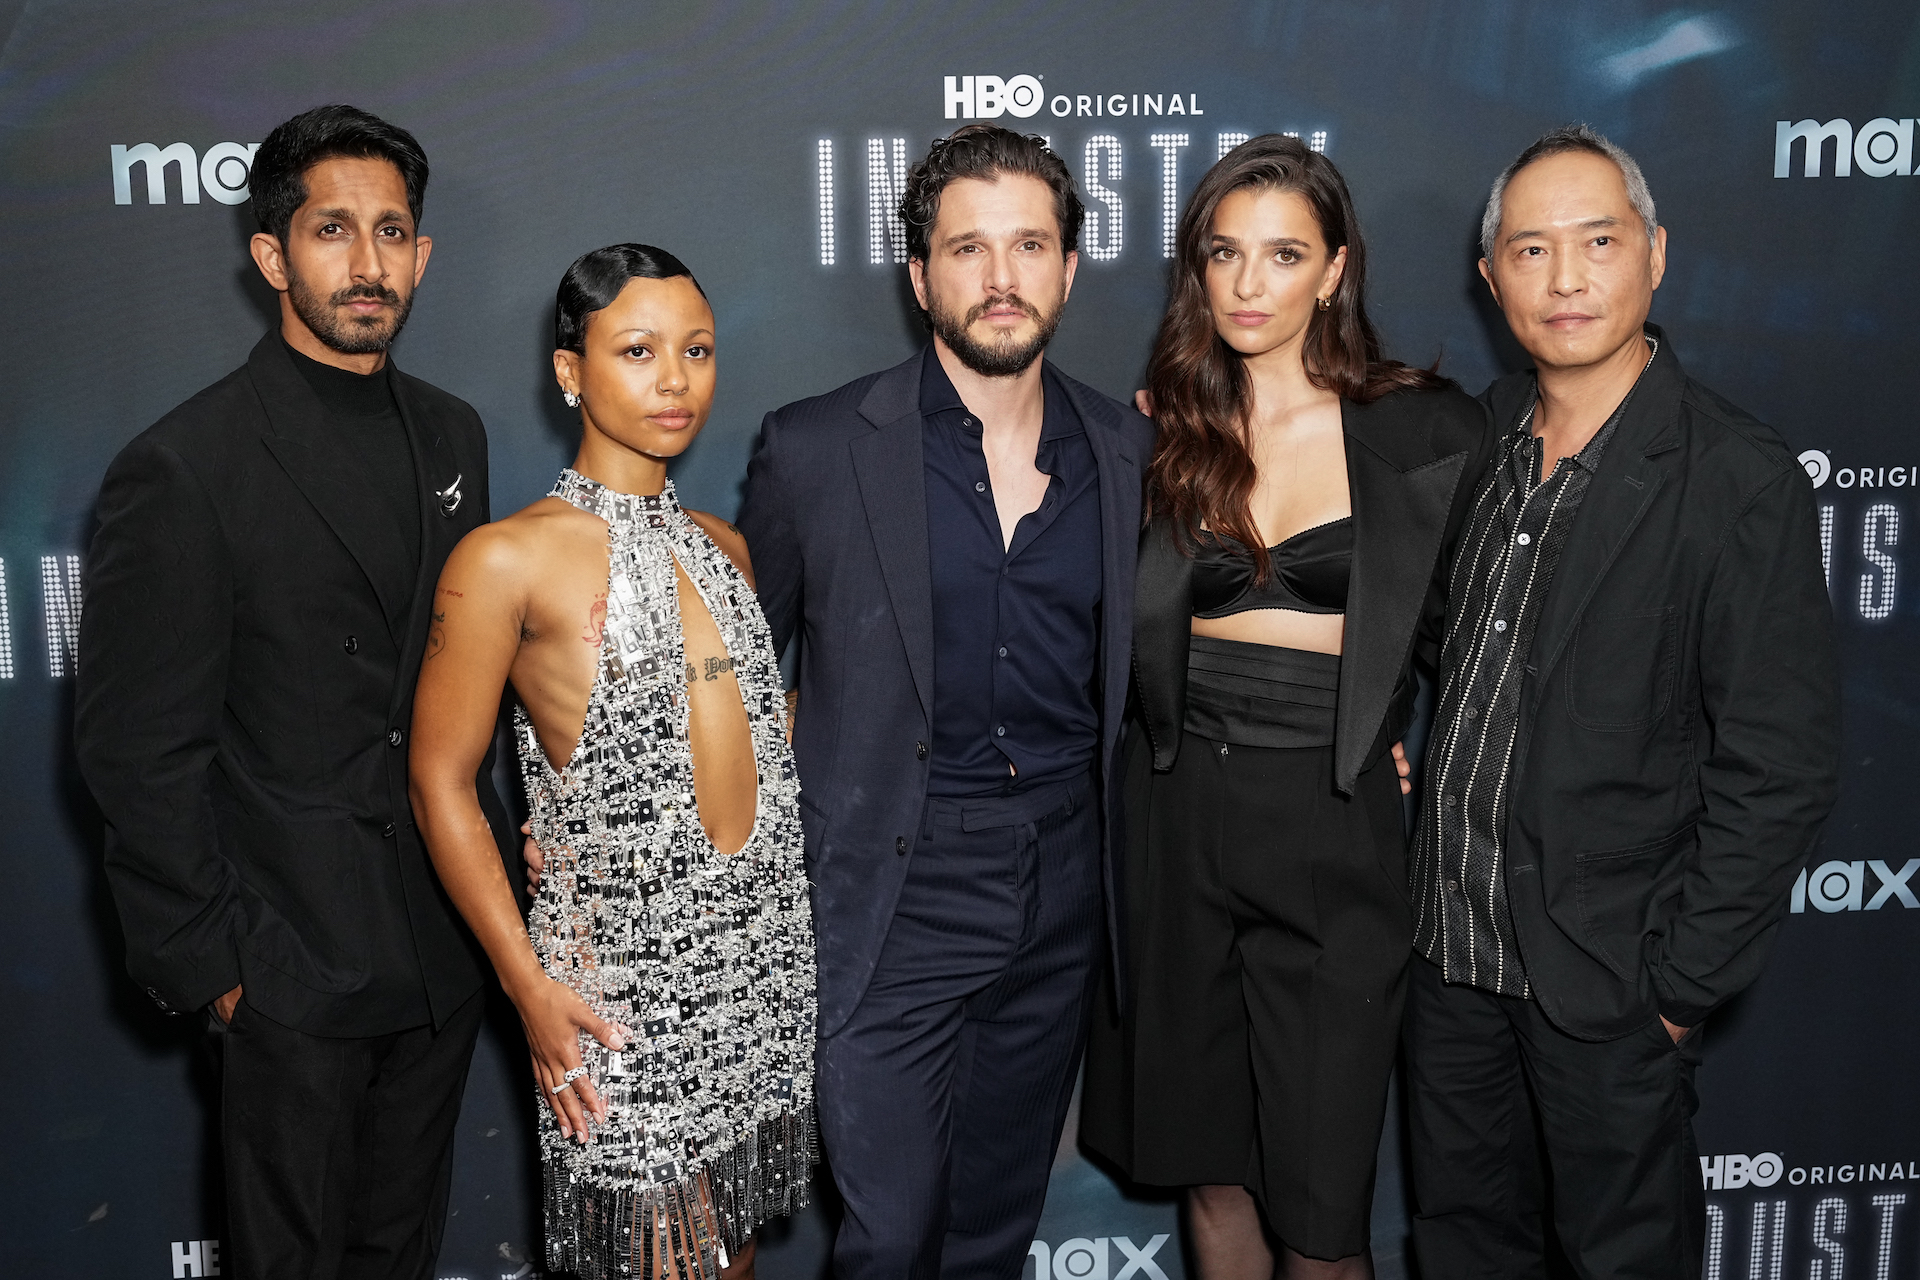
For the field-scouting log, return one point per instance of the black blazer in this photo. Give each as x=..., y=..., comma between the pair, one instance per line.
x=1412, y=460
x=243, y=699
x=835, y=517
x=1679, y=736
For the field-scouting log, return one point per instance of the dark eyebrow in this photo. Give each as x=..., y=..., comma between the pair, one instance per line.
x=341, y=214
x=651, y=333
x=1020, y=233
x=1273, y=242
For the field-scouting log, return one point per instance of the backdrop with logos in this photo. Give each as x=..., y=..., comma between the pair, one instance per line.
x=765, y=144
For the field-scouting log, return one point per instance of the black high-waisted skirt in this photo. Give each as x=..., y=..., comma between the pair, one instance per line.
x=1269, y=931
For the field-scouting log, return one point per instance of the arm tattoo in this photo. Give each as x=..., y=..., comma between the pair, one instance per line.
x=437, y=636
x=596, y=620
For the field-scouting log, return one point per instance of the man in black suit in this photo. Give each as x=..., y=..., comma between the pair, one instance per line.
x=258, y=598
x=1636, y=742
x=952, y=541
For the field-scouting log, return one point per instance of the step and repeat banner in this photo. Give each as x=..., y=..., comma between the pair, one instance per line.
x=766, y=144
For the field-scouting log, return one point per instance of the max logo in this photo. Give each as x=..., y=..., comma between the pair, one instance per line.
x=1084, y=1259
x=1841, y=886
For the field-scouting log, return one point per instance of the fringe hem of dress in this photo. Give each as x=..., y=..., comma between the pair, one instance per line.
x=698, y=1220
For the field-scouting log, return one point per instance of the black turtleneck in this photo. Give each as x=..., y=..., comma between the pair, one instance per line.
x=361, y=410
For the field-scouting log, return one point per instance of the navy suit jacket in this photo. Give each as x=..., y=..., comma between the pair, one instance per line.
x=835, y=517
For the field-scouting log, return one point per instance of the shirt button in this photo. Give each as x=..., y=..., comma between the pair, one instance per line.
x=900, y=845
x=1524, y=539
x=920, y=751
x=966, y=422
x=1000, y=732
x=1452, y=800
x=387, y=831
x=1453, y=886
x=1003, y=651
x=1499, y=624
x=352, y=645
x=395, y=737
x=979, y=486
x=1472, y=712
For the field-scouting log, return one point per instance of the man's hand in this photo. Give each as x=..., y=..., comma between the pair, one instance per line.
x=223, y=1007
x=536, y=861
x=1675, y=1032
x=1143, y=401
x=1401, y=767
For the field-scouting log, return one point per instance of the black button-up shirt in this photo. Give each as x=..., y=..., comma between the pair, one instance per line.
x=1501, y=575
x=1015, y=627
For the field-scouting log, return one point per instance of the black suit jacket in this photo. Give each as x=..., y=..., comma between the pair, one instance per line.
x=1678, y=744
x=835, y=517
x=1412, y=461
x=243, y=702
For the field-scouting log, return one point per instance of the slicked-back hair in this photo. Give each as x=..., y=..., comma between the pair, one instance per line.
x=986, y=152
x=1202, y=474
x=1568, y=137
x=595, y=279
x=278, y=180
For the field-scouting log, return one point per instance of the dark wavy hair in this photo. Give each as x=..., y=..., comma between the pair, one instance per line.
x=986, y=151
x=1202, y=474
x=278, y=179
x=596, y=278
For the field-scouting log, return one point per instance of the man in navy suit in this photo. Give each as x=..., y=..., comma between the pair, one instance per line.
x=953, y=542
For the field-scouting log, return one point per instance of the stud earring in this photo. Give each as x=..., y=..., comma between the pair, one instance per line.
x=573, y=401
x=1324, y=304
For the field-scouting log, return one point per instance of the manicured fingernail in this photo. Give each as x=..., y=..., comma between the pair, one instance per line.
x=566, y=1130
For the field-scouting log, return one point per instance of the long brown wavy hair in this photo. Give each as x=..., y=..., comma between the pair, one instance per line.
x=1202, y=474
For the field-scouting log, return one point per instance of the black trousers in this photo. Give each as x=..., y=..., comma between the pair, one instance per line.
x=1501, y=1105
x=339, y=1151
x=1268, y=948
x=942, y=1098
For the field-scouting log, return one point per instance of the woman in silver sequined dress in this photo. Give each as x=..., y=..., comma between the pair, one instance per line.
x=665, y=974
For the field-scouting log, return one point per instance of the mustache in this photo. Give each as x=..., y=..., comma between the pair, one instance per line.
x=364, y=292
x=980, y=308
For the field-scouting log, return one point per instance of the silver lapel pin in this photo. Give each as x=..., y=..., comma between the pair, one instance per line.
x=450, y=496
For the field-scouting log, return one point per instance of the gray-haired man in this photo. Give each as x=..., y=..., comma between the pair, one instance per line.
x=1636, y=743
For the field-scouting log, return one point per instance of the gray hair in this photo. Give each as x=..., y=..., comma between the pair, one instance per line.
x=1568, y=137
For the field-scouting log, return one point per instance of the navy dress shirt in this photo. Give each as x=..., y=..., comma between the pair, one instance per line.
x=1015, y=628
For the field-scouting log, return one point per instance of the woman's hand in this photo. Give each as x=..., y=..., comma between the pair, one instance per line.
x=535, y=860
x=553, y=1015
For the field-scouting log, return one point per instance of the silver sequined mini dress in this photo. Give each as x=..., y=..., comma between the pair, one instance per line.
x=707, y=957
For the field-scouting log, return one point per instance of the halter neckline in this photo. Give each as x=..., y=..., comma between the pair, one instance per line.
x=609, y=503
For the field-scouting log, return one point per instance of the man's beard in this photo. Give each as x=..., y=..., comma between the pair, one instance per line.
x=354, y=335
x=1004, y=356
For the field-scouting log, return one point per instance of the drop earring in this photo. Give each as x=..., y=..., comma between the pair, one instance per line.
x=573, y=401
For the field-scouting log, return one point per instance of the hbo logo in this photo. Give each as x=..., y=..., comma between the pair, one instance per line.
x=1730, y=1173
x=987, y=97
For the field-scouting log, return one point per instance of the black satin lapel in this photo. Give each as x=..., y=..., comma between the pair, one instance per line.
x=1119, y=527
x=1162, y=631
x=1399, y=520
x=891, y=468
x=440, y=489
x=1619, y=496
x=330, y=484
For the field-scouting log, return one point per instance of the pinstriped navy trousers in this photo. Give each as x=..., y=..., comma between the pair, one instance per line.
x=941, y=1100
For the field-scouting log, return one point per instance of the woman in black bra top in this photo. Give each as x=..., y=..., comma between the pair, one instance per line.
x=1302, y=500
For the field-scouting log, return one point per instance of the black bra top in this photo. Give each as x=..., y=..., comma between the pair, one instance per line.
x=1310, y=572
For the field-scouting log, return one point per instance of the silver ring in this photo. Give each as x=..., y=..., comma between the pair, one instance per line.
x=570, y=1077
